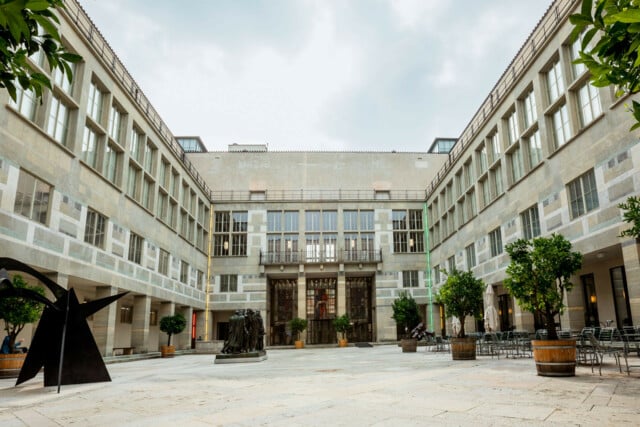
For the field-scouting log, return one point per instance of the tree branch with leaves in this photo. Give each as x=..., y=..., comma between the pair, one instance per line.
x=26, y=27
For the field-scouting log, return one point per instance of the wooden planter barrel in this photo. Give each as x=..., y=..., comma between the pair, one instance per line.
x=463, y=348
x=409, y=345
x=167, y=350
x=342, y=342
x=10, y=364
x=555, y=358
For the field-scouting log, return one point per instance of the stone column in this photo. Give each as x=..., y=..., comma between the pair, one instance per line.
x=104, y=321
x=166, y=309
x=183, y=339
x=573, y=316
x=140, y=326
x=631, y=257
x=341, y=295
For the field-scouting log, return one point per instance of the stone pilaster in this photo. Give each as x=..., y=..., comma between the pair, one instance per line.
x=631, y=257
x=341, y=295
x=166, y=309
x=183, y=339
x=140, y=326
x=104, y=322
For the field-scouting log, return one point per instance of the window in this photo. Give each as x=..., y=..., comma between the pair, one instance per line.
x=408, y=234
x=147, y=194
x=115, y=123
x=350, y=220
x=470, y=255
x=63, y=80
x=576, y=47
x=517, y=164
x=561, y=126
x=496, y=181
x=184, y=272
x=135, y=148
x=90, y=147
x=468, y=174
x=163, y=262
x=94, y=229
x=534, y=146
x=153, y=318
x=58, y=120
x=111, y=162
x=230, y=234
x=133, y=181
x=583, y=194
x=495, y=146
x=149, y=156
x=530, y=222
x=512, y=123
x=94, y=104
x=436, y=274
x=530, y=113
x=495, y=241
x=126, y=314
x=486, y=192
x=451, y=263
x=228, y=283
x=312, y=220
x=410, y=279
x=200, y=280
x=32, y=198
x=589, y=99
x=483, y=163
x=135, y=248
x=555, y=84
x=25, y=102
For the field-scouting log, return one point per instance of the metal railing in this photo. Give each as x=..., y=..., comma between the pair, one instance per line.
x=317, y=195
x=303, y=257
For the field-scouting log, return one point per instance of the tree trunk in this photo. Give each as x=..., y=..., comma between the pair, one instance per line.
x=552, y=334
x=169, y=340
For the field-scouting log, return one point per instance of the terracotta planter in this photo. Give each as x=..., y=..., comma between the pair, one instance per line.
x=409, y=345
x=343, y=342
x=10, y=364
x=555, y=358
x=167, y=350
x=463, y=348
x=299, y=344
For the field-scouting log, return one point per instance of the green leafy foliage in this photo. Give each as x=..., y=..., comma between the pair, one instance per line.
x=297, y=325
x=539, y=275
x=614, y=58
x=26, y=27
x=461, y=295
x=405, y=312
x=631, y=216
x=342, y=324
x=173, y=325
x=18, y=311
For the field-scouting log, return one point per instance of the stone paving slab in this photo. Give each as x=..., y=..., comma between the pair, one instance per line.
x=378, y=386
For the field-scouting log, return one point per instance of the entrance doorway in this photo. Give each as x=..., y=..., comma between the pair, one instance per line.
x=321, y=310
x=359, y=308
x=621, y=297
x=284, y=306
x=504, y=312
x=591, y=317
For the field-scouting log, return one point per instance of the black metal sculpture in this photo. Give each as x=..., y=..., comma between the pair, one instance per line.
x=63, y=342
x=246, y=332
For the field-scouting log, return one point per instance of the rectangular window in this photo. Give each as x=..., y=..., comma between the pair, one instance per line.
x=530, y=112
x=495, y=241
x=58, y=122
x=410, y=279
x=135, y=148
x=436, y=274
x=126, y=314
x=350, y=220
x=329, y=221
x=184, y=272
x=111, y=162
x=530, y=222
x=135, y=248
x=32, y=198
x=147, y=194
x=495, y=147
x=589, y=99
x=291, y=221
x=561, y=126
x=483, y=162
x=470, y=255
x=230, y=233
x=133, y=181
x=25, y=102
x=583, y=194
x=312, y=220
x=408, y=233
x=576, y=47
x=534, y=146
x=274, y=221
x=163, y=262
x=555, y=83
x=366, y=221
x=62, y=81
x=149, y=157
x=95, y=228
x=451, y=263
x=90, y=147
x=94, y=104
x=228, y=283
x=517, y=164
x=115, y=124
x=512, y=123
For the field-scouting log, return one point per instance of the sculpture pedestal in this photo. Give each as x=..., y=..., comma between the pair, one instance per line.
x=253, y=356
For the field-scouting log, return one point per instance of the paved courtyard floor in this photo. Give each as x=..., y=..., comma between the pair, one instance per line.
x=377, y=386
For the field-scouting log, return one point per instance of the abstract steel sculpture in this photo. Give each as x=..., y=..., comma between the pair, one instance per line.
x=63, y=342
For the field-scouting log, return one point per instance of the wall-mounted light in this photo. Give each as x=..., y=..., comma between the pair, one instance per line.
x=593, y=299
x=510, y=310
x=499, y=312
x=282, y=268
x=411, y=242
x=225, y=245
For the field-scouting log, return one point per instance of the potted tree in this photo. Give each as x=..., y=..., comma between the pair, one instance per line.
x=17, y=312
x=407, y=317
x=171, y=325
x=297, y=326
x=461, y=295
x=538, y=277
x=342, y=325
x=631, y=215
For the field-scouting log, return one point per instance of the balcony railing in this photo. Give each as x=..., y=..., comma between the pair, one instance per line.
x=304, y=257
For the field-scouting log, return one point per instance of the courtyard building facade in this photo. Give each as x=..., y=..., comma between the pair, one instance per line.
x=96, y=192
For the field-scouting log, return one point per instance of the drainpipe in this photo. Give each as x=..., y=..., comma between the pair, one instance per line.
x=208, y=285
x=428, y=262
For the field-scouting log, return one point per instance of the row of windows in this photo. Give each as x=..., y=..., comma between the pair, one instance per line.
x=583, y=198
x=147, y=177
x=519, y=142
x=32, y=201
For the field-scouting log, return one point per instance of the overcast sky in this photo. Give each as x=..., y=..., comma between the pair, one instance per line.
x=361, y=75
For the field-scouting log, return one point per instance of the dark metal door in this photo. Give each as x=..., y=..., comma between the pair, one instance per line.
x=321, y=310
x=359, y=308
x=284, y=298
